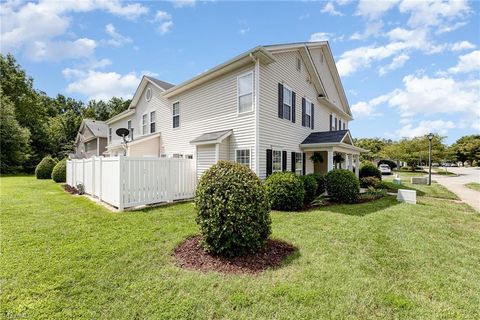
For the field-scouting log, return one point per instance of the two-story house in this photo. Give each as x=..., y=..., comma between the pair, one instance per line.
x=91, y=139
x=270, y=108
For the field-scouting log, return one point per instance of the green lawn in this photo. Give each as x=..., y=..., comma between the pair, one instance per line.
x=473, y=185
x=435, y=190
x=65, y=257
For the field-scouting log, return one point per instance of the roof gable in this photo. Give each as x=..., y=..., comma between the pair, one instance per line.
x=337, y=136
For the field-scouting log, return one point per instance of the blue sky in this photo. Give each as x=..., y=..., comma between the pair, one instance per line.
x=408, y=67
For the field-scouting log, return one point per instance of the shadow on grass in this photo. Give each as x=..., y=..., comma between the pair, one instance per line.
x=361, y=209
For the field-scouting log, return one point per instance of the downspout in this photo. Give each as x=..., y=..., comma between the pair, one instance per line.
x=256, y=76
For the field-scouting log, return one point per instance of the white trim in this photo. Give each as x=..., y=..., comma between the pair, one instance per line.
x=178, y=115
x=251, y=72
x=281, y=160
x=249, y=156
x=148, y=91
x=144, y=125
x=257, y=117
x=309, y=103
x=120, y=116
x=301, y=162
x=154, y=122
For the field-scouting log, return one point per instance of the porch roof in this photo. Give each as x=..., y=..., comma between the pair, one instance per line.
x=339, y=140
x=211, y=137
x=326, y=137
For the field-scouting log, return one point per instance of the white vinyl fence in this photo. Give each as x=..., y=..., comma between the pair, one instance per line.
x=132, y=181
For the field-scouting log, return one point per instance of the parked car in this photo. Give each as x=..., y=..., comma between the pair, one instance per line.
x=385, y=169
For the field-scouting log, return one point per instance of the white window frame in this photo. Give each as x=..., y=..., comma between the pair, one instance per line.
x=148, y=94
x=298, y=64
x=110, y=134
x=249, y=156
x=273, y=160
x=252, y=92
x=308, y=112
x=144, y=124
x=176, y=115
x=154, y=122
x=285, y=87
x=298, y=171
x=129, y=127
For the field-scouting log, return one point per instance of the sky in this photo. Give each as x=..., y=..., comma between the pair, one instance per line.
x=408, y=67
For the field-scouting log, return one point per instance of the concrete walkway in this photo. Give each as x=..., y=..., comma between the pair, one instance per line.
x=456, y=184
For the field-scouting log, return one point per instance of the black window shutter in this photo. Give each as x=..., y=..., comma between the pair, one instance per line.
x=284, y=160
x=280, y=101
x=294, y=99
x=303, y=112
x=344, y=126
x=312, y=116
x=293, y=162
x=330, y=122
x=339, y=124
x=304, y=163
x=269, y=162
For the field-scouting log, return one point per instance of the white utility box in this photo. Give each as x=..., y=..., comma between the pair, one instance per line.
x=408, y=196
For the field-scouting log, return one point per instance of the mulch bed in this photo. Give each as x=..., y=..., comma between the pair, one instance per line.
x=70, y=189
x=191, y=255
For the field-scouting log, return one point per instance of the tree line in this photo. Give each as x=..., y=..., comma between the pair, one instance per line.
x=33, y=125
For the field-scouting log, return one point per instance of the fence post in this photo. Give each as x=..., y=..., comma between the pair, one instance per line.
x=120, y=189
x=101, y=179
x=83, y=173
x=93, y=176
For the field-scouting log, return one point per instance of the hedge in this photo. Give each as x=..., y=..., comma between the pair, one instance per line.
x=285, y=191
x=45, y=167
x=343, y=186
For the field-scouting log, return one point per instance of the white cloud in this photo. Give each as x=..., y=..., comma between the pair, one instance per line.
x=101, y=85
x=116, y=39
x=165, y=20
x=183, y=3
x=372, y=29
x=396, y=63
x=58, y=50
x=368, y=109
x=433, y=12
x=320, y=36
x=425, y=127
x=463, y=45
x=373, y=9
x=467, y=63
x=449, y=28
x=330, y=9
x=244, y=30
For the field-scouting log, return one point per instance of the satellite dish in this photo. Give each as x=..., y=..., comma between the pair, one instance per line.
x=122, y=132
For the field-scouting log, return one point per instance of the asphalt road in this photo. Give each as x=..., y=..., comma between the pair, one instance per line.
x=456, y=184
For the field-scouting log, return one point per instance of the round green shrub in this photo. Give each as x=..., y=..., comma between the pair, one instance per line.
x=372, y=182
x=45, y=167
x=368, y=169
x=285, y=191
x=474, y=163
x=233, y=212
x=320, y=183
x=59, y=172
x=342, y=186
x=310, y=187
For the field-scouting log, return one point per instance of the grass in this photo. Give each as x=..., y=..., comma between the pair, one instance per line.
x=473, y=185
x=65, y=257
x=436, y=190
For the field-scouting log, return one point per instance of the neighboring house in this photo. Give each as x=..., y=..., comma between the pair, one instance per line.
x=91, y=139
x=269, y=108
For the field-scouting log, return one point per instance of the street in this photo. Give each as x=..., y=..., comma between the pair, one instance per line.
x=456, y=184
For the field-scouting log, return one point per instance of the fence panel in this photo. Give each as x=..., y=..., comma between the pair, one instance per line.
x=132, y=181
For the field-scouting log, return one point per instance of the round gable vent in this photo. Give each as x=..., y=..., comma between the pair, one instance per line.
x=148, y=94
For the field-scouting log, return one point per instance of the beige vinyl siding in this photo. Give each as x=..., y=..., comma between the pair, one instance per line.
x=224, y=150
x=281, y=134
x=148, y=148
x=103, y=145
x=206, y=157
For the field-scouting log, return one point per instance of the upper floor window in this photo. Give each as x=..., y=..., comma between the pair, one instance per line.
x=299, y=64
x=287, y=103
x=110, y=134
x=144, y=124
x=245, y=92
x=276, y=161
x=344, y=126
x=153, y=120
x=298, y=163
x=176, y=114
x=129, y=127
x=308, y=114
x=243, y=157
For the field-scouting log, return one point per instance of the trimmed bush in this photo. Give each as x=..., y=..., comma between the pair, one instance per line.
x=390, y=163
x=320, y=183
x=368, y=169
x=59, y=172
x=342, y=186
x=45, y=167
x=310, y=187
x=285, y=191
x=474, y=163
x=233, y=212
x=370, y=182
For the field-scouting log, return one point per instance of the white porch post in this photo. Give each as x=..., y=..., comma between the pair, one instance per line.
x=329, y=160
x=350, y=162
x=357, y=165
x=343, y=164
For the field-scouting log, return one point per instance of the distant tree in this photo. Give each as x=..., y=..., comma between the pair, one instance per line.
x=373, y=145
x=117, y=105
x=466, y=148
x=62, y=130
x=14, y=141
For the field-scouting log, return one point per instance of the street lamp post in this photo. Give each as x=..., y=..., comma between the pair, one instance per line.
x=430, y=137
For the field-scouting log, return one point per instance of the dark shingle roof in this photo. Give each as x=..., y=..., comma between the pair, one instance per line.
x=160, y=83
x=98, y=128
x=210, y=136
x=325, y=137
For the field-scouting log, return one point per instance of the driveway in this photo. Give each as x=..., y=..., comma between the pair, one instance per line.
x=456, y=184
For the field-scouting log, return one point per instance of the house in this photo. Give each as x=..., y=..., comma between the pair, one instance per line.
x=91, y=139
x=271, y=108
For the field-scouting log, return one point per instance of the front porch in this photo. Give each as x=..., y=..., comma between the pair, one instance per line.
x=328, y=150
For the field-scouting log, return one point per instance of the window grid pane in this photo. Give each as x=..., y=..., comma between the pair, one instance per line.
x=144, y=124
x=176, y=121
x=298, y=163
x=243, y=157
x=245, y=103
x=276, y=161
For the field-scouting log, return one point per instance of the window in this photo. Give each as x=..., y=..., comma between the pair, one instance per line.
x=245, y=92
x=153, y=120
x=276, y=161
x=336, y=122
x=144, y=124
x=299, y=64
x=287, y=103
x=110, y=134
x=176, y=114
x=308, y=114
x=243, y=157
x=298, y=163
x=344, y=126
x=129, y=127
x=189, y=156
x=148, y=94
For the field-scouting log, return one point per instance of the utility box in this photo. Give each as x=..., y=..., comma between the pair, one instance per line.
x=408, y=196
x=419, y=180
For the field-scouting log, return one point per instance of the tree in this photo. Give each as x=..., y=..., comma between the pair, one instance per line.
x=14, y=142
x=373, y=145
x=466, y=148
x=62, y=130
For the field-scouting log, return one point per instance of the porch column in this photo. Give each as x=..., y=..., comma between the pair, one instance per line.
x=357, y=165
x=343, y=164
x=329, y=160
x=350, y=162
